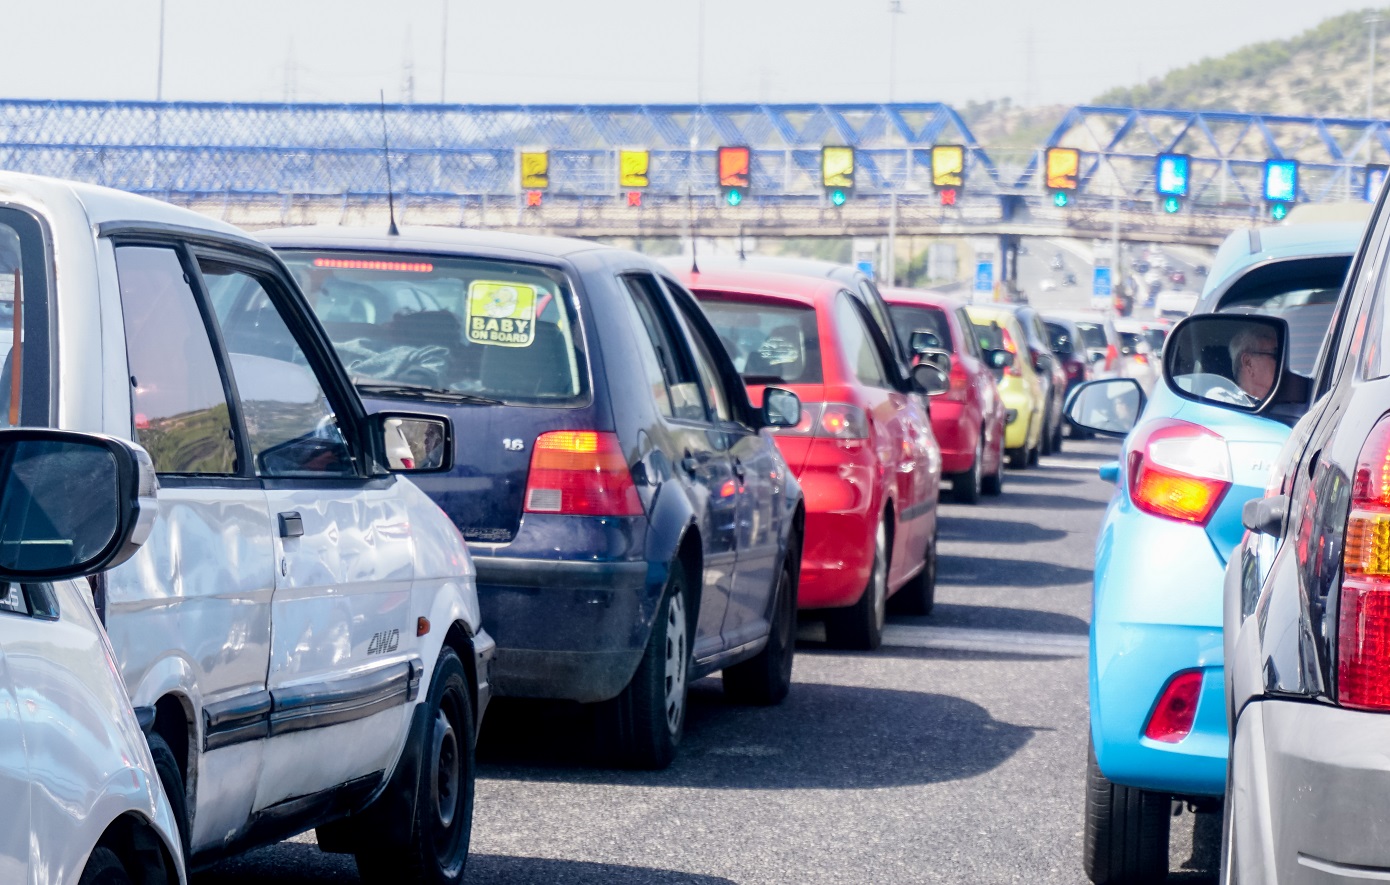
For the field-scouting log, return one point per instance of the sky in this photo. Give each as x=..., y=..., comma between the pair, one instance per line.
x=638, y=51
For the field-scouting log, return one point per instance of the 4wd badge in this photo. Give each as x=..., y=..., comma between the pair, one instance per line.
x=502, y=314
x=384, y=642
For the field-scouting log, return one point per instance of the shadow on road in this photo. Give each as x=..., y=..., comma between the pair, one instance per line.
x=993, y=617
x=1013, y=499
x=1014, y=478
x=979, y=571
x=844, y=737
x=996, y=531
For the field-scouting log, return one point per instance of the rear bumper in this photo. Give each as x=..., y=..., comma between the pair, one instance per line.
x=566, y=629
x=956, y=437
x=836, y=559
x=1312, y=794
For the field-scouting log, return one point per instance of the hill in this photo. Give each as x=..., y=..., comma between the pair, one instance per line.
x=1321, y=72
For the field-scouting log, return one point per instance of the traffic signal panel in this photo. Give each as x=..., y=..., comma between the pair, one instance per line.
x=948, y=166
x=735, y=173
x=535, y=170
x=1062, y=169
x=837, y=172
x=632, y=168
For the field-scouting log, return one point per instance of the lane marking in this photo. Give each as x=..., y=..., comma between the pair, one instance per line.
x=982, y=640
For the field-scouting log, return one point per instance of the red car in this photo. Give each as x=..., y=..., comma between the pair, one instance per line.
x=864, y=451
x=968, y=419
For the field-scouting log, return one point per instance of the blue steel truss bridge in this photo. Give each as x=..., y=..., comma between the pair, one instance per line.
x=261, y=165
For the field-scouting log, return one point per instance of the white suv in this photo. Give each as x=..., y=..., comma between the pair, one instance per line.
x=300, y=634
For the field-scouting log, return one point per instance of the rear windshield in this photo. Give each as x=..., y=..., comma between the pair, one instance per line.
x=1303, y=291
x=1093, y=334
x=991, y=336
x=1059, y=338
x=911, y=319
x=769, y=343
x=496, y=330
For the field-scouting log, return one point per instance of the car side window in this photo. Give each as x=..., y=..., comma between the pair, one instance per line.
x=290, y=425
x=861, y=356
x=968, y=339
x=715, y=396
x=677, y=371
x=178, y=395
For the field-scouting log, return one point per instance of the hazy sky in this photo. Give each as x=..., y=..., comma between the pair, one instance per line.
x=563, y=51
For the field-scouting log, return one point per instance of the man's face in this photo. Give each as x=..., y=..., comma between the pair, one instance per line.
x=1257, y=368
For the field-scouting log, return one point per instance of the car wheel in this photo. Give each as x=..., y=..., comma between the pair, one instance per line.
x=104, y=868
x=1045, y=440
x=860, y=626
x=1057, y=438
x=1126, y=830
x=1033, y=454
x=994, y=483
x=766, y=678
x=646, y=721
x=918, y=596
x=171, y=778
x=434, y=851
x=965, y=487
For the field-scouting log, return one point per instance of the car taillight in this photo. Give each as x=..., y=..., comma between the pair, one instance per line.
x=830, y=421
x=1363, y=634
x=1179, y=471
x=1112, y=353
x=580, y=473
x=1076, y=370
x=1014, y=368
x=1173, y=715
x=959, y=390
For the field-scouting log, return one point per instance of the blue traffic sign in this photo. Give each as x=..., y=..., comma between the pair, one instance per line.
x=984, y=276
x=867, y=267
x=1101, y=284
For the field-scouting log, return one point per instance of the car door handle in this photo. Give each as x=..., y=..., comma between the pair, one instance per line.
x=291, y=525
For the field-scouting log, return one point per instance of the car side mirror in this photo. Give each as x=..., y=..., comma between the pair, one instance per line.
x=924, y=340
x=1110, y=407
x=939, y=358
x=414, y=443
x=999, y=359
x=929, y=379
x=1236, y=361
x=71, y=504
x=781, y=408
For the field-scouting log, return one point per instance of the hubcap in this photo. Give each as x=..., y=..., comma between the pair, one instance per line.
x=446, y=771
x=676, y=660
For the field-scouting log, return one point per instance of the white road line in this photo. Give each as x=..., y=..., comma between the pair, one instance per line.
x=962, y=639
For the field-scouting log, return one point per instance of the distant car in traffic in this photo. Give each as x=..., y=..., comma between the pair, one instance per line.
x=1177, y=278
x=1174, y=304
x=864, y=452
x=1020, y=383
x=1068, y=345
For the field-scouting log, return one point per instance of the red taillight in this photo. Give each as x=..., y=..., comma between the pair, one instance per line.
x=1112, y=353
x=1179, y=471
x=580, y=473
x=1014, y=368
x=1363, y=634
x=830, y=421
x=959, y=390
x=1076, y=371
x=1172, y=717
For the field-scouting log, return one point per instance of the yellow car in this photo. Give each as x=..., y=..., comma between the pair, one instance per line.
x=1019, y=384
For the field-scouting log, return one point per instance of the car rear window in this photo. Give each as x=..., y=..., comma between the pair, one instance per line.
x=1302, y=291
x=911, y=319
x=1059, y=338
x=500, y=330
x=991, y=335
x=770, y=343
x=1093, y=334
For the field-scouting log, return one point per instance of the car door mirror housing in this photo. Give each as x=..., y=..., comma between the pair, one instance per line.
x=414, y=443
x=781, y=408
x=939, y=358
x=1110, y=407
x=1235, y=361
x=71, y=504
x=999, y=359
x=928, y=378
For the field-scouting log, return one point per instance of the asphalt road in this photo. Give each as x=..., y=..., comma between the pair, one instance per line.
x=954, y=754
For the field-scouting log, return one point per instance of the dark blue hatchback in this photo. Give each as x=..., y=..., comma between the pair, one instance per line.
x=633, y=525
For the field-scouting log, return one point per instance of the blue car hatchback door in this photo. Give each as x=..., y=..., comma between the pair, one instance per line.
x=632, y=523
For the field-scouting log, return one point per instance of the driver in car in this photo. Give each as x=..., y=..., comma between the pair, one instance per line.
x=1255, y=360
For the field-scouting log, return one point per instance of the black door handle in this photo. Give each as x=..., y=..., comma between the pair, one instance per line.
x=291, y=525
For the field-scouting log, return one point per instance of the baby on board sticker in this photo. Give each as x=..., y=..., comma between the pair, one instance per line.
x=501, y=314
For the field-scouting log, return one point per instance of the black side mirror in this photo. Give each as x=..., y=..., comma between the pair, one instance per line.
x=71, y=504
x=1232, y=360
x=1110, y=407
x=923, y=340
x=929, y=379
x=414, y=443
x=998, y=359
x=781, y=408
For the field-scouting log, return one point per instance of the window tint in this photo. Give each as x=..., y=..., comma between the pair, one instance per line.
x=861, y=357
x=289, y=423
x=11, y=324
x=877, y=308
x=768, y=343
x=715, y=397
x=970, y=343
x=1302, y=291
x=1093, y=335
x=682, y=386
x=177, y=392
x=1059, y=339
x=931, y=319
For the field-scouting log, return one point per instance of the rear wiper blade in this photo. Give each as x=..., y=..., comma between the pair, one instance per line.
x=418, y=391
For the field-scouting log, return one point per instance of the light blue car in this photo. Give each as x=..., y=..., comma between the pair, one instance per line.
x=1158, y=718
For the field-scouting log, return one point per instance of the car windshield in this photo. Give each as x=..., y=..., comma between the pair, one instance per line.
x=911, y=319
x=770, y=343
x=490, y=330
x=1303, y=292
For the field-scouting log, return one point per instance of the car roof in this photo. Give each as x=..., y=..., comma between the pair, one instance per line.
x=809, y=267
x=809, y=291
x=1255, y=245
x=439, y=240
x=898, y=295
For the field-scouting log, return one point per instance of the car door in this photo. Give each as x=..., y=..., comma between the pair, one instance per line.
x=190, y=612
x=756, y=471
x=15, y=780
x=343, y=639
x=699, y=453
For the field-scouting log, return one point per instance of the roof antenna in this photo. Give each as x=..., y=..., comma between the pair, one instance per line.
x=390, y=192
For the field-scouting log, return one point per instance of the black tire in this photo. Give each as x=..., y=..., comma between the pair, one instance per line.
x=994, y=483
x=645, y=722
x=918, y=596
x=171, y=778
x=1018, y=458
x=766, y=678
x=1126, y=831
x=435, y=850
x=1057, y=437
x=965, y=487
x=860, y=626
x=104, y=868
x=1045, y=439
x=1033, y=454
